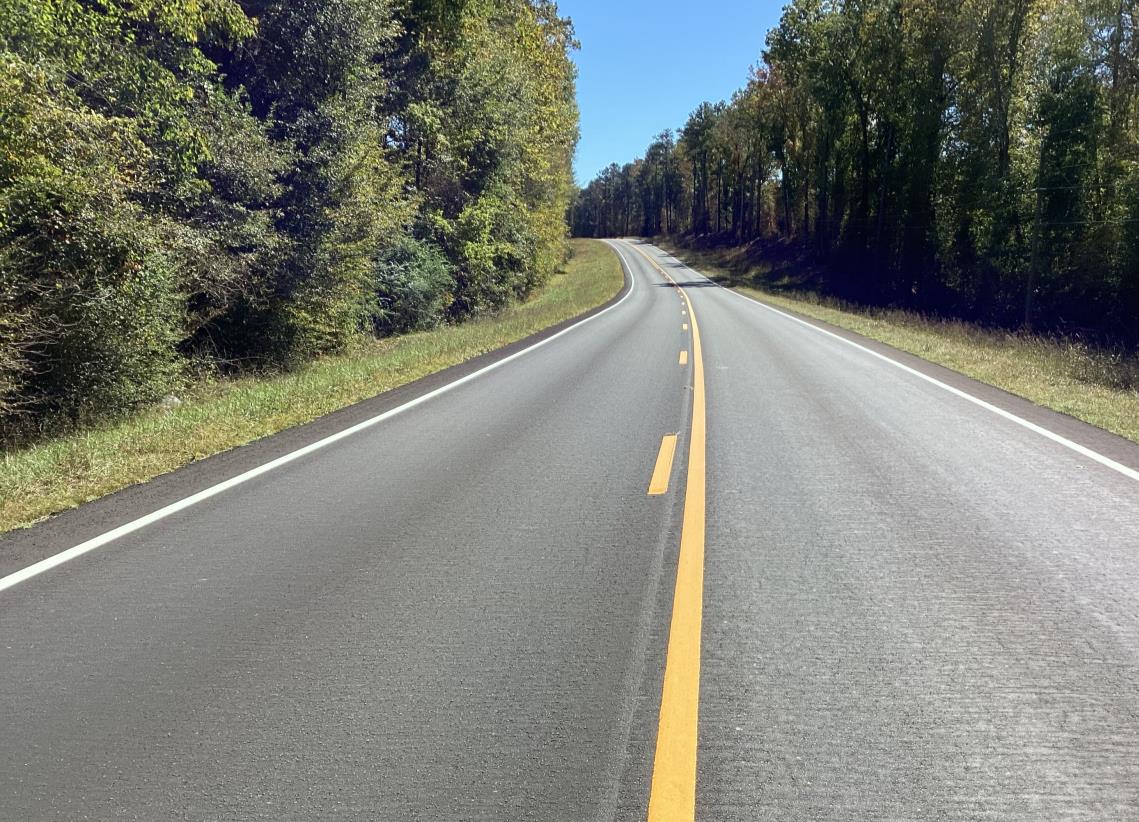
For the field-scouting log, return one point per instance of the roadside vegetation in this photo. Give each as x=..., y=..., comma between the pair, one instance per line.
x=219, y=414
x=202, y=191
x=1089, y=382
x=973, y=159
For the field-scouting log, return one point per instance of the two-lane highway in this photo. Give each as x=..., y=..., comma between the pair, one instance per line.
x=864, y=592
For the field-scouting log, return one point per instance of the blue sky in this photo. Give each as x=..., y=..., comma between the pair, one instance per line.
x=644, y=66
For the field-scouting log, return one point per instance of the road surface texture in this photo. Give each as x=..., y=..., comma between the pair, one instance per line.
x=920, y=598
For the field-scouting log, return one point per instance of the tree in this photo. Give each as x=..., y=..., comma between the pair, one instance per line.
x=976, y=158
x=188, y=188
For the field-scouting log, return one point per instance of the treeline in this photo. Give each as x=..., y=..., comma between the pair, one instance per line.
x=978, y=158
x=195, y=185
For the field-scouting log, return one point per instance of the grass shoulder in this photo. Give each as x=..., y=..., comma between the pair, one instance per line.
x=1097, y=386
x=61, y=473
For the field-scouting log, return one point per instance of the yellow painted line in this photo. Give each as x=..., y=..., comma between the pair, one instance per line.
x=659, y=483
x=672, y=797
x=684, y=358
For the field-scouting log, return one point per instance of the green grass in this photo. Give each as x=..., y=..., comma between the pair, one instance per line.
x=1094, y=385
x=62, y=473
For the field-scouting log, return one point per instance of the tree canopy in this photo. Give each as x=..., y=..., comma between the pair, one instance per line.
x=194, y=186
x=978, y=158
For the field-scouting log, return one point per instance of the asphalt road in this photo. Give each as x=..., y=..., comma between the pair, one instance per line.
x=915, y=606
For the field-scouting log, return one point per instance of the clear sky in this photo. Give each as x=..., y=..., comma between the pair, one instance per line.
x=644, y=66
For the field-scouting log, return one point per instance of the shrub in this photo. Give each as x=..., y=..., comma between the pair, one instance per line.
x=104, y=318
x=91, y=309
x=414, y=281
x=497, y=249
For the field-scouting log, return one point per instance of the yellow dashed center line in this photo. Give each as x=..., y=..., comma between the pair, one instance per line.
x=684, y=358
x=672, y=797
x=659, y=483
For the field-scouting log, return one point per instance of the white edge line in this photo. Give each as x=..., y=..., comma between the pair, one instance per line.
x=1108, y=462
x=82, y=548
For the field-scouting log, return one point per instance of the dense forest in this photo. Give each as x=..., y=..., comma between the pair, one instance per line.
x=974, y=158
x=194, y=187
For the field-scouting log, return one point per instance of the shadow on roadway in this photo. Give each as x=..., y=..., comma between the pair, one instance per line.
x=690, y=284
